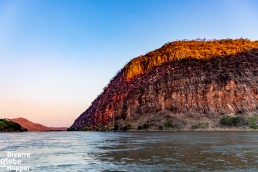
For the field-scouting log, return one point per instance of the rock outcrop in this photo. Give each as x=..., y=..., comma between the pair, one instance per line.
x=185, y=81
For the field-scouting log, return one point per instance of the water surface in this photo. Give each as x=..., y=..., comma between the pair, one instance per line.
x=134, y=151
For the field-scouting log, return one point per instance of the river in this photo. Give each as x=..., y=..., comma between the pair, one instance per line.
x=130, y=151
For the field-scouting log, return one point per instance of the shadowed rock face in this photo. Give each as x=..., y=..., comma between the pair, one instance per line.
x=188, y=87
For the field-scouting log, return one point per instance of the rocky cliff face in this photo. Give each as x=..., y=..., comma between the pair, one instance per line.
x=185, y=81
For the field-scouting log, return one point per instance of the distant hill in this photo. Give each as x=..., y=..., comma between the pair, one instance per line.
x=31, y=126
x=182, y=85
x=7, y=125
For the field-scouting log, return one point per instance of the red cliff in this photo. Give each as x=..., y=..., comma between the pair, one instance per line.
x=186, y=82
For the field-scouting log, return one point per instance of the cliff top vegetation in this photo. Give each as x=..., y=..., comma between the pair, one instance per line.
x=194, y=49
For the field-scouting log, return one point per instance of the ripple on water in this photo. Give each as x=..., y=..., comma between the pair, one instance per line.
x=135, y=151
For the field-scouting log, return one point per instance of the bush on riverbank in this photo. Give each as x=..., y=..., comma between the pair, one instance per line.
x=230, y=120
x=168, y=123
x=233, y=121
x=252, y=122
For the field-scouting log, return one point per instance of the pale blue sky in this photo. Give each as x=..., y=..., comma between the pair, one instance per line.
x=57, y=55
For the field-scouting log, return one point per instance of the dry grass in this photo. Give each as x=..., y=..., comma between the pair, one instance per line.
x=178, y=50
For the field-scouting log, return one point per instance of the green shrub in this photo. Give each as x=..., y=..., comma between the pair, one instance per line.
x=168, y=123
x=200, y=125
x=230, y=121
x=127, y=127
x=206, y=124
x=225, y=120
x=235, y=120
x=252, y=122
x=195, y=126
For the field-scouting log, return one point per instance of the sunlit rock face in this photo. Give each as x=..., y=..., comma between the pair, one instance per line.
x=183, y=79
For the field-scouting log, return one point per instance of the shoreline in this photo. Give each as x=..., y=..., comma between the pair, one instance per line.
x=197, y=130
x=217, y=129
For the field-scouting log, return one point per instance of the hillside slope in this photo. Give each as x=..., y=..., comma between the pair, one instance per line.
x=31, y=126
x=186, y=82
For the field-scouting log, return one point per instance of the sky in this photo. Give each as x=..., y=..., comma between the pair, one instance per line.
x=56, y=56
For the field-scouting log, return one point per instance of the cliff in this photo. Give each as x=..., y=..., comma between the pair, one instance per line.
x=182, y=84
